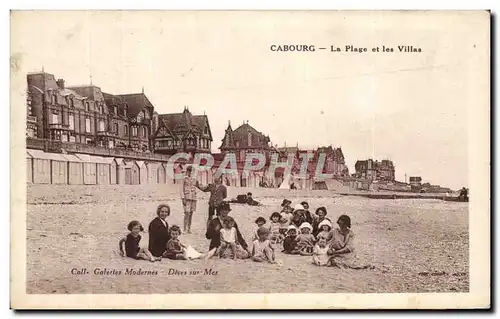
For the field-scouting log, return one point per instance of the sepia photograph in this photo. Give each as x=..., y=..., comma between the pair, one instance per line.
x=309, y=158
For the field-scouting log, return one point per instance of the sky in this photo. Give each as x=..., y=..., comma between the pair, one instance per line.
x=411, y=108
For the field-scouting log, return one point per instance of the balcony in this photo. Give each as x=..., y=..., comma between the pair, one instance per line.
x=105, y=133
x=31, y=119
x=59, y=126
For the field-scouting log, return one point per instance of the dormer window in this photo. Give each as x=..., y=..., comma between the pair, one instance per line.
x=54, y=98
x=87, y=106
x=71, y=102
x=115, y=110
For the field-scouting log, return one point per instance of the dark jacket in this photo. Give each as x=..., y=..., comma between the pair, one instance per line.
x=158, y=237
x=217, y=194
x=214, y=235
x=289, y=244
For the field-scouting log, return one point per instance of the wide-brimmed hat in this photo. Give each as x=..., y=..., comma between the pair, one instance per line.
x=225, y=206
x=325, y=222
x=306, y=225
x=298, y=207
x=285, y=202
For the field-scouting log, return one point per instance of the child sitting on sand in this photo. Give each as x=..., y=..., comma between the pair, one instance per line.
x=326, y=231
x=175, y=250
x=262, y=250
x=228, y=237
x=132, y=240
x=274, y=227
x=305, y=240
x=320, y=253
x=290, y=242
x=261, y=221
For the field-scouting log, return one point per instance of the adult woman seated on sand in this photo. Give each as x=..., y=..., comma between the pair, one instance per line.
x=213, y=233
x=158, y=231
x=342, y=246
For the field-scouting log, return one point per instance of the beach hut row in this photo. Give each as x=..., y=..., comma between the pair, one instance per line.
x=84, y=169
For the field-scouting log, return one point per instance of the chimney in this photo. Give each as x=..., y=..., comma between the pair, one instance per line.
x=60, y=83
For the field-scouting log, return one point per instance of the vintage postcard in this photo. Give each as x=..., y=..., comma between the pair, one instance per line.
x=250, y=159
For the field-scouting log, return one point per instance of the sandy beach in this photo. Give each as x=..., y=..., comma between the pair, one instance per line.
x=415, y=245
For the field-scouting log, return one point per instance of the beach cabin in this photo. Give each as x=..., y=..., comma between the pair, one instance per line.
x=89, y=169
x=162, y=176
x=75, y=169
x=103, y=165
x=143, y=172
x=152, y=169
x=29, y=168
x=48, y=168
x=132, y=173
x=120, y=171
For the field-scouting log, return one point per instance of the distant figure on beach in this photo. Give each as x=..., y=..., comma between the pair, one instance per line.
x=214, y=234
x=218, y=193
x=463, y=194
x=188, y=197
x=131, y=241
x=245, y=199
x=158, y=231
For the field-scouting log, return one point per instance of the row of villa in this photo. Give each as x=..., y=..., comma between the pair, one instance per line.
x=82, y=135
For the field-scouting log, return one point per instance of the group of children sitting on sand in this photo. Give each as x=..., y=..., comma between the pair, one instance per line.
x=295, y=229
x=300, y=234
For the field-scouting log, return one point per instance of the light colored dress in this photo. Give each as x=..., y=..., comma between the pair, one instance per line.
x=228, y=235
x=262, y=251
x=320, y=255
x=349, y=259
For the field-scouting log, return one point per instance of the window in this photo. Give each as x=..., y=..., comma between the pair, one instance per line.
x=100, y=108
x=72, y=139
x=54, y=98
x=71, y=102
x=101, y=126
x=87, y=125
x=134, y=130
x=87, y=106
x=64, y=137
x=115, y=128
x=30, y=132
x=55, y=117
x=249, y=139
x=115, y=109
x=125, y=110
x=125, y=130
x=206, y=130
x=71, y=120
x=88, y=141
x=144, y=131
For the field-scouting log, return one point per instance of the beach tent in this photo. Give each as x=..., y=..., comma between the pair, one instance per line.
x=89, y=169
x=143, y=172
x=162, y=177
x=75, y=169
x=29, y=168
x=48, y=168
x=286, y=182
x=120, y=171
x=112, y=169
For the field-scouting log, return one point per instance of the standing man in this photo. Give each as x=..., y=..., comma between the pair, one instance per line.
x=218, y=193
x=188, y=196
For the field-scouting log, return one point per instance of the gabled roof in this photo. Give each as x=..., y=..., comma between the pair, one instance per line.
x=72, y=158
x=181, y=124
x=136, y=102
x=239, y=138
